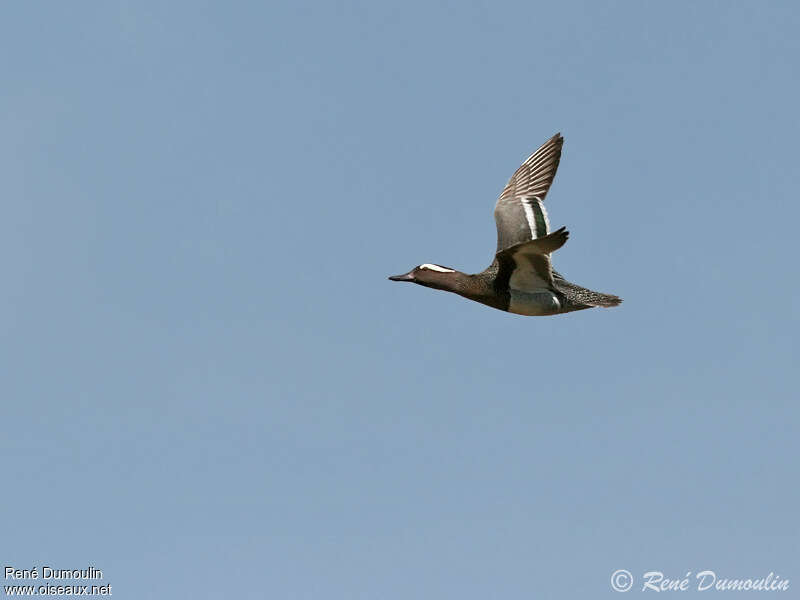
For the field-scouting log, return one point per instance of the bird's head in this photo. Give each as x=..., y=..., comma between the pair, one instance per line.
x=434, y=276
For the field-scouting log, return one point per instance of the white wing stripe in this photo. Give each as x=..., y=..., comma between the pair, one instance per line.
x=544, y=215
x=530, y=216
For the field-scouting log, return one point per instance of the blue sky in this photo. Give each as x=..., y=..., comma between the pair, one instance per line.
x=209, y=388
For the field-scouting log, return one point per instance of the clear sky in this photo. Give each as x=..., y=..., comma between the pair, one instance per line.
x=209, y=388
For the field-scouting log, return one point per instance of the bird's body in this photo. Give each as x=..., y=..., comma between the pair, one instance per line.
x=520, y=279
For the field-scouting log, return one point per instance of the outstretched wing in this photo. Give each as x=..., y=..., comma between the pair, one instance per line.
x=530, y=261
x=519, y=213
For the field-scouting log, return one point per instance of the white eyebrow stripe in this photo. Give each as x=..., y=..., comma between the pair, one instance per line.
x=436, y=268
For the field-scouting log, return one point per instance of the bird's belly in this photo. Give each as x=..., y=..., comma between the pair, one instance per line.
x=534, y=303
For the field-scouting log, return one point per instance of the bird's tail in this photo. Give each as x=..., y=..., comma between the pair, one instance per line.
x=581, y=296
x=599, y=299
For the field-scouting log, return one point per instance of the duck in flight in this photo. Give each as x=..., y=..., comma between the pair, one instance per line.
x=521, y=279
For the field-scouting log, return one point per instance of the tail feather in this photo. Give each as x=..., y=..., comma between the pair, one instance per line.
x=586, y=298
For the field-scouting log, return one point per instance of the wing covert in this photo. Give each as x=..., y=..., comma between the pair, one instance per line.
x=531, y=266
